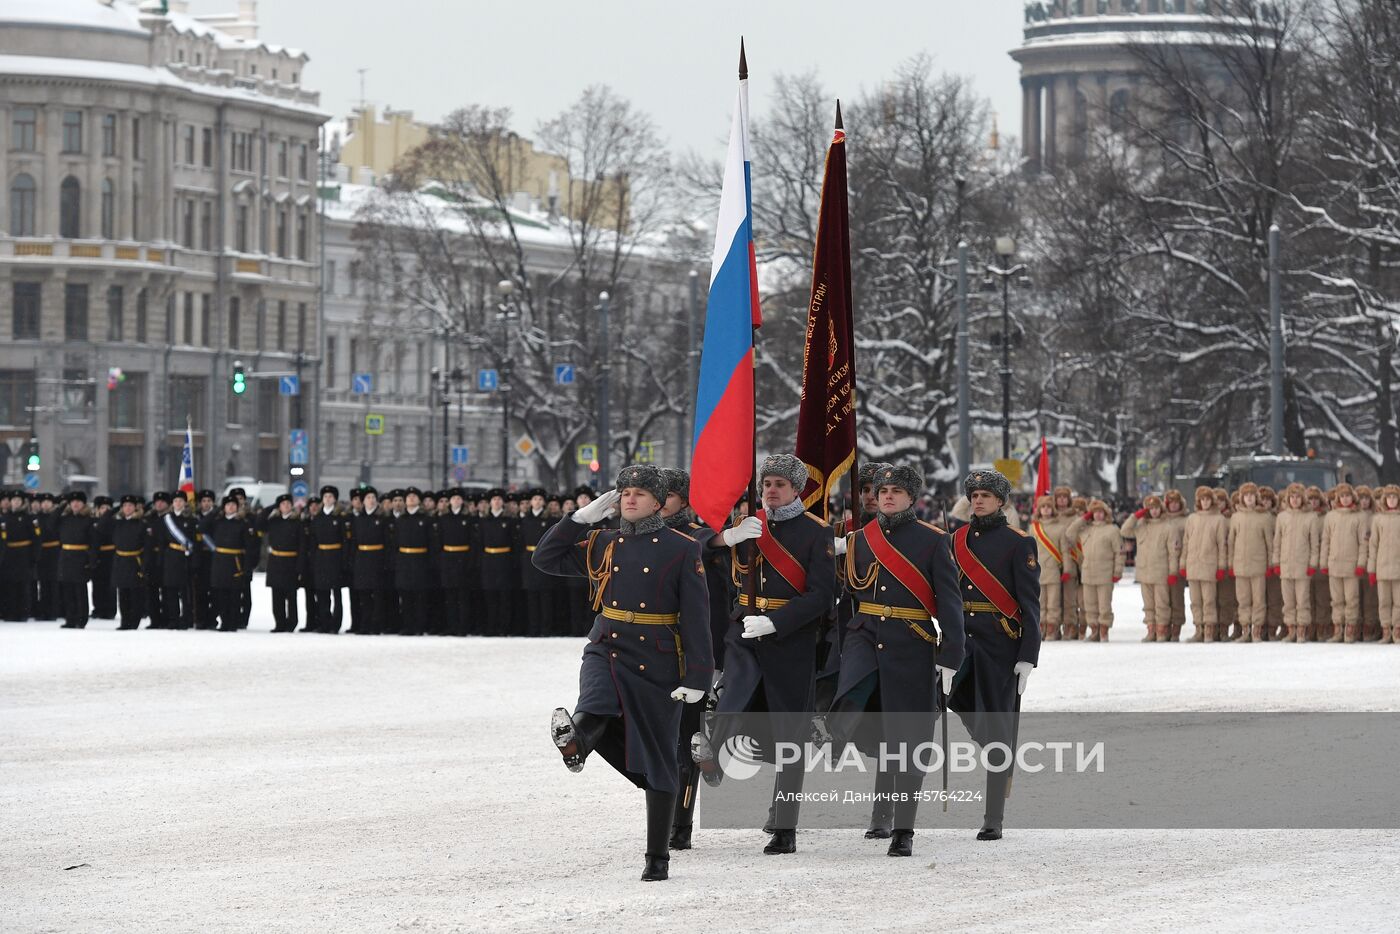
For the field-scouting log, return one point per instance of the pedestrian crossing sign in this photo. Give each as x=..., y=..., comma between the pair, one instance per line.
x=374, y=423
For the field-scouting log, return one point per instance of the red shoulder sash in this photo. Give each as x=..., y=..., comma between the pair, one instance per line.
x=901, y=567
x=1045, y=542
x=779, y=558
x=983, y=579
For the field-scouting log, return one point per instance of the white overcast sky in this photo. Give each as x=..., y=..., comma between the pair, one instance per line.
x=676, y=60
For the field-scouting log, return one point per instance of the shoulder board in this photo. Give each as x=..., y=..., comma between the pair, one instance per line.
x=689, y=538
x=930, y=525
x=1020, y=532
x=815, y=518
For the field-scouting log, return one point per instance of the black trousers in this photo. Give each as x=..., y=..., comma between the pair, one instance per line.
x=104, y=595
x=46, y=604
x=413, y=608
x=18, y=597
x=497, y=606
x=454, y=610
x=131, y=604
x=155, y=605
x=178, y=607
x=692, y=720
x=284, y=609
x=204, y=617
x=245, y=605
x=74, y=598
x=228, y=608
x=328, y=611
x=539, y=612
x=580, y=612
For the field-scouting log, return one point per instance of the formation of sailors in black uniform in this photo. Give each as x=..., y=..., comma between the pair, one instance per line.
x=886, y=619
x=415, y=562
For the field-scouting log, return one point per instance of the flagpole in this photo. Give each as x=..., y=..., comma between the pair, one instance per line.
x=750, y=580
x=852, y=476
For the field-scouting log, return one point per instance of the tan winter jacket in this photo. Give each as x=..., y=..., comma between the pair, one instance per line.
x=1205, y=545
x=1054, y=530
x=1297, y=542
x=1103, y=551
x=1384, y=552
x=1251, y=541
x=1158, y=547
x=1343, y=541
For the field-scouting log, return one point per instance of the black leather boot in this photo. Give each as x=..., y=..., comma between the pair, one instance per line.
x=882, y=811
x=783, y=841
x=997, y=785
x=575, y=736
x=661, y=808
x=902, y=843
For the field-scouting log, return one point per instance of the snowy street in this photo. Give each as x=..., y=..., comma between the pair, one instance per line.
x=204, y=781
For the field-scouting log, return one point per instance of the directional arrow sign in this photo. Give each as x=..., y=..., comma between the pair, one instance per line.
x=289, y=385
x=564, y=374
x=487, y=380
x=460, y=455
x=362, y=384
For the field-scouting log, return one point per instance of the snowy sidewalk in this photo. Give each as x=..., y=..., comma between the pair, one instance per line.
x=260, y=782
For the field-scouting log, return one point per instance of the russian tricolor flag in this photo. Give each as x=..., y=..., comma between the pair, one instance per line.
x=723, y=460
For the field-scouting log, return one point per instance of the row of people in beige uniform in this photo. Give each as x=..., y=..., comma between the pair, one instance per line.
x=1306, y=566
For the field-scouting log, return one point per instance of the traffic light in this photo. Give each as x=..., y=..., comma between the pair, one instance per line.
x=33, y=454
x=240, y=379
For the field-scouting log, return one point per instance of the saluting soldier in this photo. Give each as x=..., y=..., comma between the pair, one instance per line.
x=21, y=558
x=104, y=595
x=413, y=565
x=648, y=649
x=538, y=586
x=434, y=601
x=499, y=540
x=252, y=555
x=204, y=563
x=285, y=533
x=906, y=640
x=456, y=564
x=228, y=533
x=327, y=536
x=771, y=648
x=155, y=560
x=77, y=539
x=1000, y=589
x=46, y=601
x=179, y=534
x=371, y=575
x=129, y=536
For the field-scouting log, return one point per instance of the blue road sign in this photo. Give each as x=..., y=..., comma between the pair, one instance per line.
x=289, y=385
x=31, y=480
x=564, y=374
x=487, y=380
x=460, y=455
x=297, y=438
x=300, y=490
x=298, y=455
x=362, y=384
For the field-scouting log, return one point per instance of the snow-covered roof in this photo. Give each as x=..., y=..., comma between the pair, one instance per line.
x=185, y=24
x=73, y=14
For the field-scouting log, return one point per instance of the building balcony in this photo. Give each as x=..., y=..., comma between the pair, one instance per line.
x=48, y=250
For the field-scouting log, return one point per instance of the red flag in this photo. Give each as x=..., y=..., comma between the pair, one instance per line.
x=826, y=418
x=1042, y=473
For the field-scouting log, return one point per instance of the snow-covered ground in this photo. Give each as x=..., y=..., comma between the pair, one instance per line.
x=204, y=781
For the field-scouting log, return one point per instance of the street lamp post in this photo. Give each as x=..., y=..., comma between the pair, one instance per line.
x=604, y=442
x=508, y=311
x=434, y=375
x=1006, y=251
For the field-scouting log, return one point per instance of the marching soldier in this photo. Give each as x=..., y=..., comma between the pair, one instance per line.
x=46, y=601
x=129, y=535
x=251, y=556
x=327, y=536
x=906, y=640
x=104, y=595
x=1001, y=609
x=1100, y=546
x=228, y=534
x=1344, y=562
x=413, y=565
x=648, y=649
x=179, y=534
x=204, y=563
x=77, y=539
x=456, y=565
x=155, y=560
x=499, y=538
x=285, y=533
x=771, y=648
x=1297, y=544
x=434, y=600
x=1204, y=558
x=21, y=558
x=538, y=586
x=1157, y=561
x=1251, y=541
x=371, y=577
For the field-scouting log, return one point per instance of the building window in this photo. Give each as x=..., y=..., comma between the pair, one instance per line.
x=232, y=414
x=282, y=159
x=282, y=232
x=330, y=362
x=301, y=327
x=1118, y=111
x=206, y=225
x=303, y=228
x=79, y=396
x=75, y=311
x=206, y=319
x=189, y=145
x=328, y=441
x=170, y=318
x=266, y=397
x=22, y=196
x=187, y=333
x=260, y=332
x=233, y=321
x=399, y=352
x=109, y=134
x=22, y=128
x=141, y=317
x=70, y=201
x=186, y=404
x=281, y=324
x=354, y=358
x=302, y=161
x=25, y=299
x=240, y=228
x=136, y=137
x=135, y=212
x=116, y=330
x=330, y=277
x=126, y=404
x=16, y=397
x=72, y=131
x=206, y=150
x=109, y=208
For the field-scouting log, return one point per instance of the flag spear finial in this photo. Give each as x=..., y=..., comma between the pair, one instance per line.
x=743, y=62
x=839, y=125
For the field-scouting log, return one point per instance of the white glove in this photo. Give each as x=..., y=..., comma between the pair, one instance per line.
x=689, y=695
x=751, y=527
x=1023, y=674
x=946, y=676
x=598, y=510
x=840, y=546
x=755, y=626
